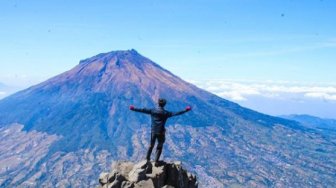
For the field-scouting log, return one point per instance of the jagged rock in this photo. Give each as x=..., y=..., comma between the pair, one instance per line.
x=122, y=168
x=127, y=184
x=103, y=178
x=147, y=175
x=138, y=172
x=145, y=184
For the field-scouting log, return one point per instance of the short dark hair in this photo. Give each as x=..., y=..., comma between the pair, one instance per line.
x=162, y=102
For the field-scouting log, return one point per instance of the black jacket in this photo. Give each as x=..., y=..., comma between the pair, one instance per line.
x=159, y=117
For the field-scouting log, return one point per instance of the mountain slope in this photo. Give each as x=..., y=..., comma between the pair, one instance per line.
x=93, y=99
x=87, y=108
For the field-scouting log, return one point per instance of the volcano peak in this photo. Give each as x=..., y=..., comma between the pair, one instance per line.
x=118, y=54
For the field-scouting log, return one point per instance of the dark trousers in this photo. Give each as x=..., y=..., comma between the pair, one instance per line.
x=160, y=139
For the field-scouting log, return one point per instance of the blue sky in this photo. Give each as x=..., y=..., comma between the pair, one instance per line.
x=278, y=40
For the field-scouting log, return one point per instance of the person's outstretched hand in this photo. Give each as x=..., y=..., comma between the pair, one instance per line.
x=131, y=107
x=188, y=108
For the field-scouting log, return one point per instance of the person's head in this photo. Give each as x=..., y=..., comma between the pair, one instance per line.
x=162, y=102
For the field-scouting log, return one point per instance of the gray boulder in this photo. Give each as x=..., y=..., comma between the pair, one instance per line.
x=146, y=175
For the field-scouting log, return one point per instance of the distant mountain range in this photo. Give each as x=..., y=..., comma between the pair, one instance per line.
x=3, y=90
x=6, y=90
x=64, y=131
x=313, y=122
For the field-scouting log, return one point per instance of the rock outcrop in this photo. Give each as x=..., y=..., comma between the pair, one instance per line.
x=147, y=175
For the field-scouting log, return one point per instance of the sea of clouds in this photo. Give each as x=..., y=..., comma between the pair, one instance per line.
x=277, y=97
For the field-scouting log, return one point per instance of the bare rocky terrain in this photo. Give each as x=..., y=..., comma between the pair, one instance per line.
x=21, y=151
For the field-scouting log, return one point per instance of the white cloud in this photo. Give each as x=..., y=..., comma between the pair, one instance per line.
x=237, y=96
x=242, y=90
x=324, y=96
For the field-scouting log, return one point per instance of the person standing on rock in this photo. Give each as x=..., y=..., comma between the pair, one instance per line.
x=159, y=117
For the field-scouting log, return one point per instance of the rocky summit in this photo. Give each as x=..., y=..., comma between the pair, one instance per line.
x=147, y=175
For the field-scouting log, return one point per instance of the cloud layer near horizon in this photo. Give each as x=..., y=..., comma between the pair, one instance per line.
x=277, y=98
x=242, y=90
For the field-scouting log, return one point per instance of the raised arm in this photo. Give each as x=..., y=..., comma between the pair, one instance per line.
x=142, y=110
x=187, y=109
